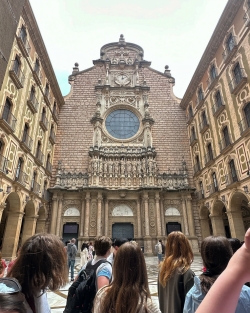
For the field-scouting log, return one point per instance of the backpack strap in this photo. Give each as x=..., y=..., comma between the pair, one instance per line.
x=95, y=266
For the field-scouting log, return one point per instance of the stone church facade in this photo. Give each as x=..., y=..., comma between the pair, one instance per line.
x=122, y=166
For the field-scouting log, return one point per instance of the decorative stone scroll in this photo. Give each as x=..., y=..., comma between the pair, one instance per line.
x=72, y=212
x=122, y=210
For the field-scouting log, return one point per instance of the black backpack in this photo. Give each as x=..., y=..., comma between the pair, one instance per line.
x=82, y=292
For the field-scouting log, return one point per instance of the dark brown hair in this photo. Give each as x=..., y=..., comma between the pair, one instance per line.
x=12, y=303
x=215, y=253
x=129, y=290
x=178, y=256
x=101, y=245
x=41, y=264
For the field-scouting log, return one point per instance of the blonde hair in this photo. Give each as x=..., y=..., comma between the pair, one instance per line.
x=178, y=256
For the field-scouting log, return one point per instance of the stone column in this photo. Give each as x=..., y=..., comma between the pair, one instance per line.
x=82, y=216
x=59, y=216
x=53, y=217
x=185, y=219
x=190, y=216
x=205, y=229
x=99, y=214
x=12, y=234
x=217, y=225
x=138, y=209
x=236, y=224
x=86, y=225
x=162, y=215
x=2, y=206
x=106, y=212
x=158, y=217
x=147, y=238
x=29, y=227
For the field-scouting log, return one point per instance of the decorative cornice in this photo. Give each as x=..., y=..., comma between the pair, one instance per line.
x=38, y=42
x=217, y=38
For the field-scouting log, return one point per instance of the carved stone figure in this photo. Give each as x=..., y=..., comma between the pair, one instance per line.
x=116, y=167
x=122, y=167
x=134, y=167
x=105, y=166
x=110, y=166
x=139, y=168
x=129, y=168
x=144, y=166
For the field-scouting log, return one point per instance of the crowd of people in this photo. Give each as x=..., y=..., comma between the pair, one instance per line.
x=120, y=277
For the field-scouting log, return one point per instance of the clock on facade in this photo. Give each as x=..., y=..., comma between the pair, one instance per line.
x=122, y=79
x=122, y=124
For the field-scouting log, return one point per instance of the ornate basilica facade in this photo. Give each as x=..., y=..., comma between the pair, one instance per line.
x=122, y=166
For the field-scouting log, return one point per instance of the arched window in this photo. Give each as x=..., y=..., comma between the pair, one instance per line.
x=201, y=190
x=230, y=42
x=33, y=179
x=193, y=135
x=218, y=99
x=215, y=183
x=7, y=110
x=25, y=132
x=32, y=93
x=210, y=152
x=48, y=164
x=1, y=147
x=38, y=149
x=233, y=171
x=237, y=73
x=226, y=136
x=23, y=34
x=17, y=65
x=213, y=73
x=43, y=115
x=37, y=66
x=247, y=114
x=203, y=119
x=19, y=168
x=197, y=163
x=54, y=108
x=46, y=90
x=200, y=94
x=190, y=112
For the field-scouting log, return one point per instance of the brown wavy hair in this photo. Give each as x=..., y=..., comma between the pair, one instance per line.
x=178, y=256
x=41, y=264
x=129, y=290
x=216, y=251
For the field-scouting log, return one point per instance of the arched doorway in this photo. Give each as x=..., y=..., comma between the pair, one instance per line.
x=29, y=222
x=206, y=225
x=219, y=219
x=41, y=221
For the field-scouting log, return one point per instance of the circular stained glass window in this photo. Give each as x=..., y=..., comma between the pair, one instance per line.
x=122, y=124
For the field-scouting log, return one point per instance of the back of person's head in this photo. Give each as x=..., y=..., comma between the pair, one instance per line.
x=102, y=245
x=120, y=241
x=41, y=264
x=11, y=298
x=73, y=240
x=216, y=252
x=130, y=273
x=160, y=241
x=235, y=244
x=178, y=256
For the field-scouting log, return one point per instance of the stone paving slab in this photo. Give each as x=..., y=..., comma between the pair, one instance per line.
x=57, y=300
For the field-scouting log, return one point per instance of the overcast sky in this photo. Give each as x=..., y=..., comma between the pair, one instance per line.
x=171, y=32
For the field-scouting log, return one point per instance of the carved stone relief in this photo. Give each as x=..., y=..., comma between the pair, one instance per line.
x=93, y=218
x=72, y=212
x=122, y=210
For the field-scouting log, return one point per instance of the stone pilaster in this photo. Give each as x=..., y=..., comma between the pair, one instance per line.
x=236, y=224
x=158, y=217
x=138, y=208
x=29, y=227
x=99, y=214
x=217, y=225
x=147, y=238
x=59, y=216
x=185, y=219
x=190, y=216
x=86, y=225
x=54, y=214
x=82, y=216
x=106, y=212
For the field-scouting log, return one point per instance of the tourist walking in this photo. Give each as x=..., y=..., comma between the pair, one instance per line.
x=91, y=249
x=129, y=291
x=215, y=253
x=175, y=276
x=84, y=254
x=40, y=265
x=71, y=253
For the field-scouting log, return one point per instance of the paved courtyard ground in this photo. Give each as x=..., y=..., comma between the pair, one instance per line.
x=57, y=300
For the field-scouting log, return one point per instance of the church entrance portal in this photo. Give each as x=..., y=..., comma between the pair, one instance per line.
x=123, y=230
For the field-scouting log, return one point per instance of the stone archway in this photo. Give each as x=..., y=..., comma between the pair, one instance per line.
x=206, y=225
x=238, y=214
x=29, y=222
x=219, y=219
x=41, y=221
x=10, y=228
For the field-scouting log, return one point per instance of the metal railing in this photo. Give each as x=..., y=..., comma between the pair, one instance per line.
x=52, y=135
x=39, y=155
x=244, y=124
x=217, y=106
x=212, y=79
x=48, y=167
x=200, y=99
x=209, y=156
x=225, y=141
x=9, y=118
x=197, y=167
x=203, y=124
x=27, y=140
x=17, y=71
x=229, y=48
x=213, y=188
x=21, y=177
x=25, y=42
x=33, y=100
x=237, y=79
x=44, y=121
x=3, y=164
x=37, y=71
x=232, y=177
x=35, y=187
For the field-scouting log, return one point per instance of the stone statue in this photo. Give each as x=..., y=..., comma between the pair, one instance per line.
x=129, y=168
x=122, y=167
x=139, y=167
x=144, y=167
x=116, y=167
x=110, y=166
x=105, y=166
x=134, y=166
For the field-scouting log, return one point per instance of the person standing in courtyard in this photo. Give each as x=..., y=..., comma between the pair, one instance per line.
x=84, y=254
x=159, y=250
x=116, y=245
x=175, y=276
x=71, y=253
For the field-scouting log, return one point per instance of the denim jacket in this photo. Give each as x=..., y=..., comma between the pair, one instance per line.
x=195, y=296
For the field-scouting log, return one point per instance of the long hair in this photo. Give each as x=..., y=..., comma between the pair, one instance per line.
x=12, y=303
x=41, y=264
x=129, y=290
x=178, y=256
x=215, y=253
x=1, y=265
